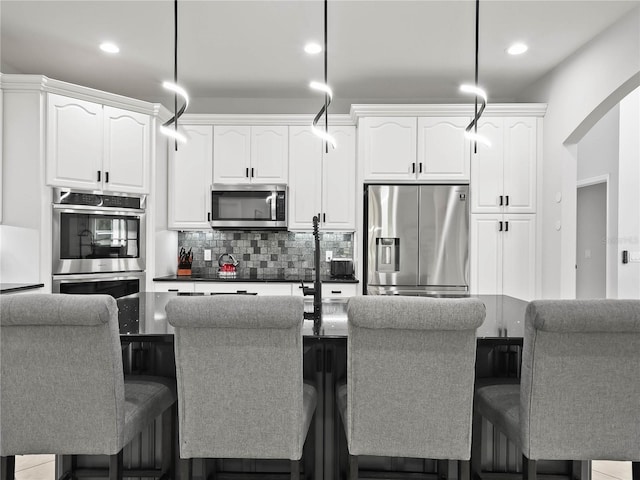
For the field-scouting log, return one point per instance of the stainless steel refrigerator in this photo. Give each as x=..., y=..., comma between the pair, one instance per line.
x=417, y=240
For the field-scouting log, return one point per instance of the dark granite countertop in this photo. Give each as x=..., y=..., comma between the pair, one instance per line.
x=244, y=277
x=18, y=287
x=142, y=316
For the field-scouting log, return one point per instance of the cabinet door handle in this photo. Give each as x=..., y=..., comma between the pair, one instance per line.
x=98, y=175
x=336, y=291
x=506, y=226
x=246, y=172
x=420, y=169
x=172, y=290
x=499, y=226
x=252, y=172
x=324, y=218
x=106, y=177
x=413, y=167
x=208, y=216
x=507, y=200
x=501, y=200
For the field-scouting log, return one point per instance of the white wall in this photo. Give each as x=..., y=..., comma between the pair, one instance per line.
x=578, y=93
x=629, y=195
x=598, y=157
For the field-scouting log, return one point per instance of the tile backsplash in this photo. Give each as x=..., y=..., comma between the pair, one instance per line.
x=264, y=253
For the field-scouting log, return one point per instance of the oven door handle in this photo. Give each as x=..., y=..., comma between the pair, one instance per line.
x=88, y=277
x=129, y=212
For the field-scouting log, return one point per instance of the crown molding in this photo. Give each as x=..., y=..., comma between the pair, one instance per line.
x=260, y=119
x=446, y=110
x=41, y=83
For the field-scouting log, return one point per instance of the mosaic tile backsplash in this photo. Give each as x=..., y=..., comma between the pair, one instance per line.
x=264, y=253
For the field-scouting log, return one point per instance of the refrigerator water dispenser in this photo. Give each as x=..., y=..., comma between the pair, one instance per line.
x=387, y=254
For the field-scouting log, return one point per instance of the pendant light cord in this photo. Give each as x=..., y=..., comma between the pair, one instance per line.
x=175, y=66
x=475, y=144
x=326, y=99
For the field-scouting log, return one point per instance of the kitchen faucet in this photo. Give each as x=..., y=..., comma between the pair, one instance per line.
x=316, y=291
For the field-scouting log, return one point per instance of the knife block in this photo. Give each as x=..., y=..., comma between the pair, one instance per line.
x=184, y=271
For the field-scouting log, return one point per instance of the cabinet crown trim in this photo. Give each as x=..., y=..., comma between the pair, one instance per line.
x=41, y=83
x=446, y=110
x=260, y=119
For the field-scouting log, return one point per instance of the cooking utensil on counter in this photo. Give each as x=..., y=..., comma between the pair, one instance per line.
x=185, y=259
x=227, y=263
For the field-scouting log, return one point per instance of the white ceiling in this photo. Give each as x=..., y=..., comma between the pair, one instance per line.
x=392, y=51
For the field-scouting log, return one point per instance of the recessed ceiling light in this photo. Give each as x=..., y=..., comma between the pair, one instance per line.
x=517, y=49
x=312, y=48
x=109, y=47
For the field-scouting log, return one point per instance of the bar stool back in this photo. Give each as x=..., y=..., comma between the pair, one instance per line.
x=410, y=377
x=62, y=386
x=579, y=398
x=239, y=371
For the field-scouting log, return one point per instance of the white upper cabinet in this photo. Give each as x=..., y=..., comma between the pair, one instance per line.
x=74, y=143
x=339, y=181
x=443, y=151
x=333, y=197
x=95, y=147
x=126, y=150
x=389, y=148
x=503, y=175
x=428, y=149
x=305, y=172
x=231, y=154
x=190, y=176
x=250, y=154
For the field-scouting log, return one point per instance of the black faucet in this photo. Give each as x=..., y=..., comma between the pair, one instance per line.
x=316, y=291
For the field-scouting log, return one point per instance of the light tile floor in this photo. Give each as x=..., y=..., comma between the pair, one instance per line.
x=41, y=467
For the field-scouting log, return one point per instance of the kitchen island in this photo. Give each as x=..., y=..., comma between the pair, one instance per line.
x=148, y=349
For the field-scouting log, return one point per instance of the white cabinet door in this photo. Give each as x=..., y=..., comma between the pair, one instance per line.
x=518, y=256
x=443, y=151
x=339, y=181
x=389, y=148
x=190, y=179
x=74, y=143
x=485, y=253
x=178, y=286
x=305, y=167
x=502, y=253
x=126, y=151
x=231, y=154
x=503, y=175
x=487, y=168
x=269, y=154
x=520, y=152
x=249, y=288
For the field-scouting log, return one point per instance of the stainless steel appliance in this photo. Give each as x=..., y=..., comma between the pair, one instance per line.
x=117, y=285
x=341, y=267
x=95, y=233
x=417, y=240
x=248, y=207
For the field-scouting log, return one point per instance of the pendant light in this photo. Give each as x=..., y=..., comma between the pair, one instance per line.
x=479, y=93
x=328, y=96
x=176, y=89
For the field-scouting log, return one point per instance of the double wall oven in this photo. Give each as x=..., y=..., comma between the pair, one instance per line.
x=98, y=242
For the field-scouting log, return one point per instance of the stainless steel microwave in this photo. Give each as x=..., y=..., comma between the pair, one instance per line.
x=248, y=207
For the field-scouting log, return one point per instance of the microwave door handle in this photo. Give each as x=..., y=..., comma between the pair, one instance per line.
x=274, y=203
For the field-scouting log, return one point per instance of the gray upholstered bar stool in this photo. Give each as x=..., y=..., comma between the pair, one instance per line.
x=63, y=390
x=579, y=397
x=410, y=378
x=239, y=371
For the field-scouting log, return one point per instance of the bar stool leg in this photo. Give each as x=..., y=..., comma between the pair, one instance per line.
x=635, y=470
x=529, y=469
x=9, y=467
x=464, y=469
x=115, y=466
x=185, y=469
x=353, y=467
x=295, y=469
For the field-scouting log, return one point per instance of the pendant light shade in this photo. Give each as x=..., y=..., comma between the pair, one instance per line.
x=328, y=96
x=471, y=132
x=176, y=89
